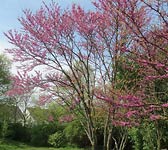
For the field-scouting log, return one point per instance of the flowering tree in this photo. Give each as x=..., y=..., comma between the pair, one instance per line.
x=20, y=92
x=147, y=24
x=81, y=52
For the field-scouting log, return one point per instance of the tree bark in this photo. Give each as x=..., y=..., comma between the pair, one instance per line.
x=94, y=143
x=107, y=129
x=109, y=139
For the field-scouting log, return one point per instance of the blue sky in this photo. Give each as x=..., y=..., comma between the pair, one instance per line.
x=11, y=10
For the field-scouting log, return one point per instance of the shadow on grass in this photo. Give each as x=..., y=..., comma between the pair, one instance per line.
x=13, y=145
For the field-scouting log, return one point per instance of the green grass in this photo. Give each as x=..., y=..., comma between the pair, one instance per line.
x=11, y=145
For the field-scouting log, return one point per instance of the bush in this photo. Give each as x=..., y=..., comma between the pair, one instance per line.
x=75, y=134
x=40, y=134
x=144, y=137
x=4, y=129
x=18, y=132
x=57, y=139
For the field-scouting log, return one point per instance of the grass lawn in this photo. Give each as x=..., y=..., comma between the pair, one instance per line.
x=10, y=145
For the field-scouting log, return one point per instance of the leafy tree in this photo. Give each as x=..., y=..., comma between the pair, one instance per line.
x=40, y=115
x=4, y=76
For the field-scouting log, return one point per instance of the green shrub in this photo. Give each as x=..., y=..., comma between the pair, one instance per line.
x=144, y=137
x=75, y=134
x=137, y=138
x=57, y=139
x=18, y=132
x=40, y=134
x=4, y=129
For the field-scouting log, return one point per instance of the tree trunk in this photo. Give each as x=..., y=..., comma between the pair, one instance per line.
x=91, y=133
x=94, y=143
x=109, y=139
x=158, y=138
x=106, y=134
x=123, y=141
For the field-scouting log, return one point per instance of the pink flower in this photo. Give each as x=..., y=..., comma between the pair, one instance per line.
x=160, y=65
x=164, y=76
x=44, y=99
x=66, y=118
x=121, y=123
x=165, y=105
x=155, y=117
x=105, y=98
x=130, y=113
x=151, y=77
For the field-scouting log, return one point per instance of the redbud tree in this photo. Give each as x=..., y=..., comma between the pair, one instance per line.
x=108, y=57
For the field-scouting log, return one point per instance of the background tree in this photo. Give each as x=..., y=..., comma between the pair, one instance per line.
x=4, y=76
x=4, y=85
x=22, y=88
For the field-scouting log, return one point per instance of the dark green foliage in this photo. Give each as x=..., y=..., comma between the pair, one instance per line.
x=147, y=136
x=120, y=137
x=3, y=129
x=41, y=132
x=127, y=74
x=162, y=129
x=161, y=90
x=18, y=132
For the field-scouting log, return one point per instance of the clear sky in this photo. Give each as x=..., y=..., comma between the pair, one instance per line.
x=11, y=10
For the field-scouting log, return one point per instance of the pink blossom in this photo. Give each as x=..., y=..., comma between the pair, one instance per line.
x=165, y=105
x=151, y=77
x=131, y=113
x=155, y=117
x=105, y=98
x=58, y=39
x=66, y=118
x=44, y=99
x=121, y=123
x=130, y=98
x=164, y=76
x=160, y=65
